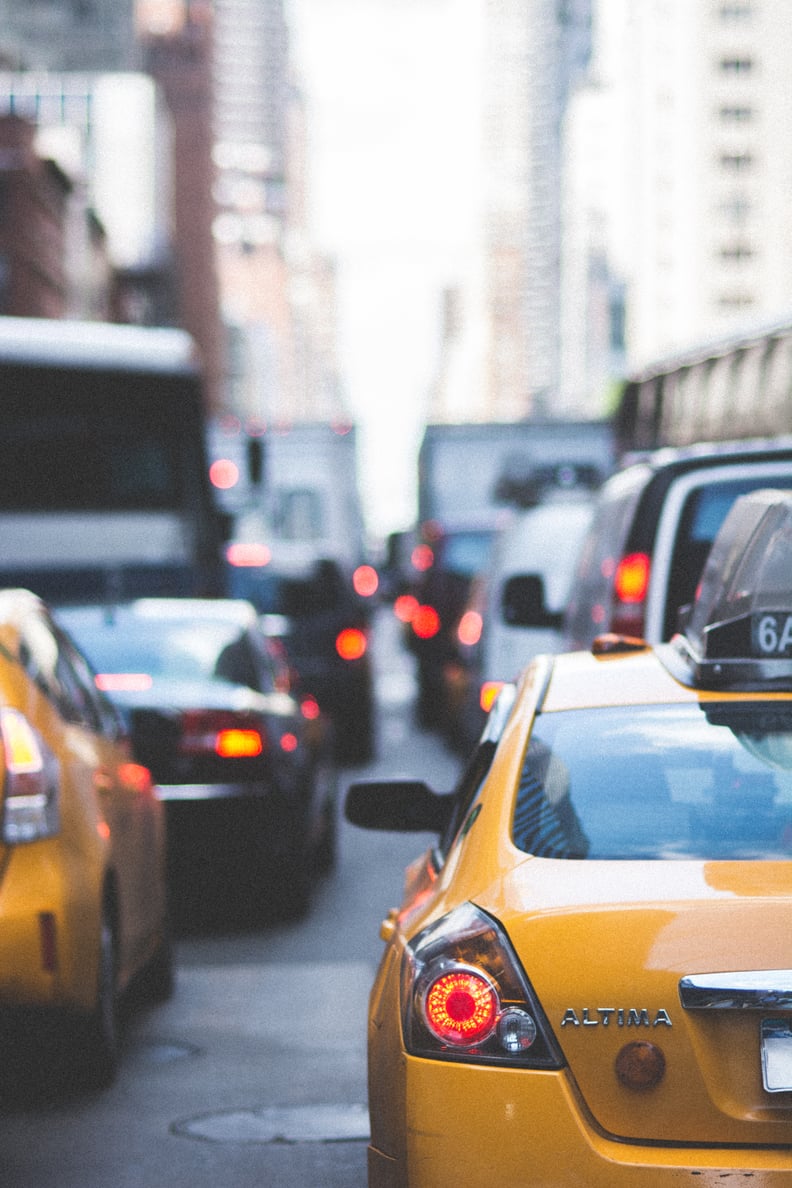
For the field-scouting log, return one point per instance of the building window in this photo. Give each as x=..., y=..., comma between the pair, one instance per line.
x=736, y=115
x=736, y=253
x=735, y=11
x=737, y=162
x=736, y=66
x=734, y=302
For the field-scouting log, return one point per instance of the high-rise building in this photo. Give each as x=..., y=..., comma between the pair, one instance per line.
x=694, y=212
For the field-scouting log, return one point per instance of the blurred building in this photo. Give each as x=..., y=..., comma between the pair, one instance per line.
x=34, y=197
x=679, y=187
x=68, y=34
x=278, y=297
x=503, y=323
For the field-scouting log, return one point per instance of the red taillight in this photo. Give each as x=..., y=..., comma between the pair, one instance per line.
x=135, y=776
x=461, y=1007
x=404, y=608
x=469, y=629
x=238, y=744
x=422, y=558
x=487, y=694
x=631, y=581
x=351, y=643
x=248, y=555
x=365, y=581
x=224, y=474
x=309, y=708
x=425, y=622
x=31, y=784
x=223, y=733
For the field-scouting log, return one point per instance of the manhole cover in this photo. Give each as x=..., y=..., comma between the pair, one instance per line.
x=281, y=1124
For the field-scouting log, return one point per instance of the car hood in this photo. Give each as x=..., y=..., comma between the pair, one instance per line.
x=605, y=946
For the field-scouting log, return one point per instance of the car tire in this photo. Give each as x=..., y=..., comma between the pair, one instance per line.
x=158, y=978
x=97, y=1042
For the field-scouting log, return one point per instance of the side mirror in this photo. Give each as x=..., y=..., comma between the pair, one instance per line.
x=404, y=806
x=523, y=603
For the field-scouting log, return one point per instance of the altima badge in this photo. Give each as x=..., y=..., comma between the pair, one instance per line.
x=616, y=1017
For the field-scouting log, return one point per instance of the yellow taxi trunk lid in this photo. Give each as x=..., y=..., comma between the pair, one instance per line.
x=606, y=946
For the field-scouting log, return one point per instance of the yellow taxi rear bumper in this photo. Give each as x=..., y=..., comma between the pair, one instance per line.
x=526, y=1128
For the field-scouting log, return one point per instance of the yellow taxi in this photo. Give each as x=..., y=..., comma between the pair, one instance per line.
x=83, y=904
x=589, y=980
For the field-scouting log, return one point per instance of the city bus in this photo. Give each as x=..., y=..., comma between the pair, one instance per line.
x=104, y=487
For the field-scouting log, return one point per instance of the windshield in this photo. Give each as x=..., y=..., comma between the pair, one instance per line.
x=658, y=782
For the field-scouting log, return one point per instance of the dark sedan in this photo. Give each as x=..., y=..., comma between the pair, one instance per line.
x=242, y=766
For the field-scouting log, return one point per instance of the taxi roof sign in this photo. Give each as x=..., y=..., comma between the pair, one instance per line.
x=739, y=631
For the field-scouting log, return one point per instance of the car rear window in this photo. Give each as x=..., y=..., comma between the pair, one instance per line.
x=658, y=782
x=704, y=510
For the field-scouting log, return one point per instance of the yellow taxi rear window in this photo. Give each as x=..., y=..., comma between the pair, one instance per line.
x=659, y=782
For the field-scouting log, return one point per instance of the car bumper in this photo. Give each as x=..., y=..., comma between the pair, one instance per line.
x=203, y=792
x=510, y=1126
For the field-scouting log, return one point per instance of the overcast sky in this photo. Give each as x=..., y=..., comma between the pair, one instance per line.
x=391, y=100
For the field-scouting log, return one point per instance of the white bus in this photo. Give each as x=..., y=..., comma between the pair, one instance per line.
x=104, y=488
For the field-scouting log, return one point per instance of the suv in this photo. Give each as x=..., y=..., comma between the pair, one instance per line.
x=655, y=521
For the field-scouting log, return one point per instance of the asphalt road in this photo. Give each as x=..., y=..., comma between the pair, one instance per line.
x=254, y=1073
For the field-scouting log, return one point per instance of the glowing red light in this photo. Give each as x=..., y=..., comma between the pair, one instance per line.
x=404, y=607
x=238, y=744
x=365, y=580
x=632, y=577
x=469, y=629
x=425, y=622
x=422, y=558
x=135, y=776
x=309, y=707
x=248, y=555
x=224, y=474
x=289, y=742
x=489, y=691
x=461, y=1007
x=351, y=643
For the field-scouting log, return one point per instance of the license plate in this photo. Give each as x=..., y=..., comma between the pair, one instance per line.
x=771, y=635
x=777, y=1055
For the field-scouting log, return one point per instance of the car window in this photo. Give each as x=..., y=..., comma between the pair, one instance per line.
x=658, y=782
x=702, y=514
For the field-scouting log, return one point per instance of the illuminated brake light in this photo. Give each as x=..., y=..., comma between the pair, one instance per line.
x=309, y=708
x=238, y=744
x=248, y=555
x=422, y=558
x=470, y=628
x=365, y=581
x=223, y=733
x=489, y=691
x=425, y=622
x=404, y=607
x=123, y=682
x=461, y=1007
x=289, y=742
x=351, y=643
x=631, y=581
x=224, y=474
x=135, y=776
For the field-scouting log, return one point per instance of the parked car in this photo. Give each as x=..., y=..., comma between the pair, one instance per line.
x=652, y=530
x=588, y=980
x=515, y=609
x=83, y=897
x=247, y=779
x=327, y=633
